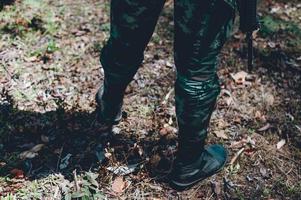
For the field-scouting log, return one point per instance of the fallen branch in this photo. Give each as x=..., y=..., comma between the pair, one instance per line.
x=233, y=160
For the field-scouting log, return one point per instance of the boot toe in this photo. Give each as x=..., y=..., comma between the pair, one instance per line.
x=218, y=153
x=209, y=163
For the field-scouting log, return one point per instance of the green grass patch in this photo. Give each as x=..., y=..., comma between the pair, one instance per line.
x=27, y=16
x=271, y=25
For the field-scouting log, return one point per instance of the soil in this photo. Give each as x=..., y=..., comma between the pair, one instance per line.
x=50, y=145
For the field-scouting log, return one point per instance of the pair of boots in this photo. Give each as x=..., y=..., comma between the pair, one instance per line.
x=189, y=167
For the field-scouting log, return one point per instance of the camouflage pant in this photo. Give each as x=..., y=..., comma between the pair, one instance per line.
x=201, y=29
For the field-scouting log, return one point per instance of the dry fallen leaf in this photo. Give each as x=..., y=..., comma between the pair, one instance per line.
x=167, y=129
x=265, y=127
x=217, y=188
x=2, y=164
x=33, y=152
x=118, y=185
x=251, y=142
x=269, y=99
x=154, y=161
x=259, y=116
x=163, y=132
x=239, y=77
x=272, y=44
x=238, y=144
x=28, y=155
x=237, y=120
x=228, y=100
x=37, y=148
x=280, y=144
x=222, y=124
x=45, y=138
x=18, y=173
x=264, y=172
x=31, y=59
x=123, y=170
x=221, y=134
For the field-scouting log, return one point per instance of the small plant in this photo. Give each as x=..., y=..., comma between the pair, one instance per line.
x=51, y=47
x=9, y=197
x=88, y=189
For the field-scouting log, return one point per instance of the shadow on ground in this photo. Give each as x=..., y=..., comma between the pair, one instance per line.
x=5, y=2
x=60, y=142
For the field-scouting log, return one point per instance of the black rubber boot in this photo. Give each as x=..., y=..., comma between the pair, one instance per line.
x=186, y=173
x=108, y=112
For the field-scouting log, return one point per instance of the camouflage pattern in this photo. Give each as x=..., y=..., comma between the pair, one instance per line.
x=201, y=29
x=232, y=3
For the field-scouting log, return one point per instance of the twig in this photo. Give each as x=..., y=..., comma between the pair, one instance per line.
x=237, y=156
x=59, y=159
x=76, y=181
x=210, y=196
x=284, y=156
x=167, y=96
x=195, y=191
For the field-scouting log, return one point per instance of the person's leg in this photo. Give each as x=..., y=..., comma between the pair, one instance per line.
x=201, y=29
x=132, y=24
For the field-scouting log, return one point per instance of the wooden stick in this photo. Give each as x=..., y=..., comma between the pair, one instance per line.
x=237, y=156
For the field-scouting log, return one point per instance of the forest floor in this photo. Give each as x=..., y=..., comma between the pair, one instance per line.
x=50, y=72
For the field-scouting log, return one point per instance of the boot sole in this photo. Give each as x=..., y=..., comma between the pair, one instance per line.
x=183, y=186
x=115, y=121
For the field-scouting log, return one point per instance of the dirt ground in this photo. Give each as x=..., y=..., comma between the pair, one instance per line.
x=50, y=71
